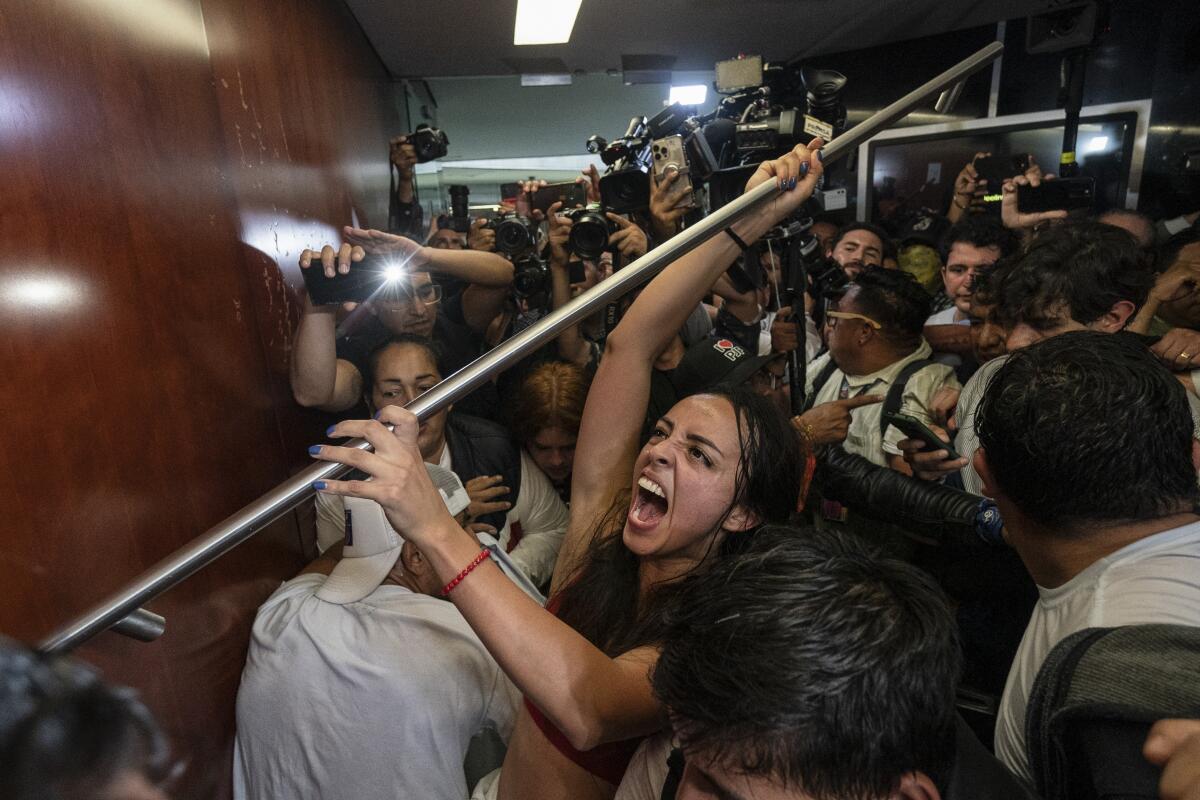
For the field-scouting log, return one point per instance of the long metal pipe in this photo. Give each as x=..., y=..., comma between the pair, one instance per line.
x=239, y=527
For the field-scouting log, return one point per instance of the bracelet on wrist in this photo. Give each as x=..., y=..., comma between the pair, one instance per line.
x=467, y=570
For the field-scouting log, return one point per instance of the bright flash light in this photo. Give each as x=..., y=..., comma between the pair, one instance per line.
x=689, y=95
x=392, y=273
x=1097, y=144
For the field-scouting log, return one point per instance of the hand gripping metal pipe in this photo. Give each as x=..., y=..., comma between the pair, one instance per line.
x=245, y=523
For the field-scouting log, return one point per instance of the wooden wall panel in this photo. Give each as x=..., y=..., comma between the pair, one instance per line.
x=164, y=162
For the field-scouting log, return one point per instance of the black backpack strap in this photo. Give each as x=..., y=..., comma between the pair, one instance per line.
x=819, y=382
x=895, y=394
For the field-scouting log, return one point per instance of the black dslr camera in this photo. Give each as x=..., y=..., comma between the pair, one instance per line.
x=428, y=143
x=531, y=276
x=589, y=232
x=515, y=234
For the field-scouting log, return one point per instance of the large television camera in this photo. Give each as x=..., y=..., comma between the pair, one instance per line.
x=625, y=186
x=774, y=107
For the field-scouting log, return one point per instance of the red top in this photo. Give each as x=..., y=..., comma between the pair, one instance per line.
x=607, y=761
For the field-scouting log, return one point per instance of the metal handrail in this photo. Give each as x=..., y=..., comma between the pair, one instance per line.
x=239, y=527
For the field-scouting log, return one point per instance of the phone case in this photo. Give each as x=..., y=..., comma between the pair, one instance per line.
x=668, y=154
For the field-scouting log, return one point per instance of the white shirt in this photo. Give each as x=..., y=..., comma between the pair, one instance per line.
x=647, y=770
x=946, y=317
x=539, y=511
x=375, y=699
x=1153, y=580
x=864, y=437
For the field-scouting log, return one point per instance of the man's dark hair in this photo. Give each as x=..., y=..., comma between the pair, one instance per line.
x=1088, y=427
x=1083, y=267
x=981, y=231
x=895, y=300
x=885, y=239
x=1129, y=213
x=814, y=661
x=64, y=734
x=428, y=345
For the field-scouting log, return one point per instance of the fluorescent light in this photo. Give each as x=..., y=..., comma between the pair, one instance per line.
x=545, y=21
x=545, y=79
x=1097, y=144
x=689, y=95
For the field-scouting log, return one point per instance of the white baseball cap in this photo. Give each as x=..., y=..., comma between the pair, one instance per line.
x=372, y=545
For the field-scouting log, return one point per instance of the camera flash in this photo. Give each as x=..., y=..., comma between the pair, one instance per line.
x=392, y=273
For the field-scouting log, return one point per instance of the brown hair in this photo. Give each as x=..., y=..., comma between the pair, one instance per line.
x=551, y=396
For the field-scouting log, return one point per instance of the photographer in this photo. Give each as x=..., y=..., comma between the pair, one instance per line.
x=328, y=362
x=405, y=216
x=628, y=240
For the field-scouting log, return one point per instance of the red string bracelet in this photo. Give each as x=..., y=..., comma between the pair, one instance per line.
x=479, y=559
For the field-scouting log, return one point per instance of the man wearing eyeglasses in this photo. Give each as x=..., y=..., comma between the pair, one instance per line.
x=329, y=359
x=876, y=348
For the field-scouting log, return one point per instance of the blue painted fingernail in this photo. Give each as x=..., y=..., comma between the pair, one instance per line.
x=329, y=430
x=804, y=169
x=314, y=450
x=318, y=485
x=378, y=414
x=820, y=156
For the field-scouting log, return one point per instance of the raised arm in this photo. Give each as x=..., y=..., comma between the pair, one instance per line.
x=490, y=275
x=589, y=696
x=616, y=402
x=319, y=378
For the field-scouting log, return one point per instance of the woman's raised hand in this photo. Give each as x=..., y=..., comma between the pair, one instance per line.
x=399, y=481
x=796, y=173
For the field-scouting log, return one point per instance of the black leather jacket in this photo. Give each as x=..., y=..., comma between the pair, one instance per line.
x=927, y=509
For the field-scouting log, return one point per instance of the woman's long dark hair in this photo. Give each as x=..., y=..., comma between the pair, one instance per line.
x=601, y=600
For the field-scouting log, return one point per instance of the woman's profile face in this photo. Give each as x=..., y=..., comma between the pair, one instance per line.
x=683, y=480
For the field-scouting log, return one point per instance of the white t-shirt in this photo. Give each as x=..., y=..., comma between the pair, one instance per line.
x=375, y=699
x=1153, y=580
x=539, y=511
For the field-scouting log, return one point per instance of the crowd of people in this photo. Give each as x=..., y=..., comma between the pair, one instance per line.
x=634, y=566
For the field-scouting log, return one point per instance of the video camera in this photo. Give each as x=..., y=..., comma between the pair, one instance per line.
x=625, y=186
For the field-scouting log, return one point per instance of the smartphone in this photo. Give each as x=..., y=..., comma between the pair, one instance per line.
x=913, y=428
x=668, y=154
x=1061, y=194
x=570, y=194
x=997, y=169
x=364, y=279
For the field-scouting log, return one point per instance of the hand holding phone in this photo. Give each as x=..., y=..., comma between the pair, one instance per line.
x=927, y=451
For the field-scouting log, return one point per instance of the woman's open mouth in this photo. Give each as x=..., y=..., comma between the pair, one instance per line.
x=649, y=503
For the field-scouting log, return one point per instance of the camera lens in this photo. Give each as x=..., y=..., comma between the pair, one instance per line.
x=512, y=237
x=589, y=235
